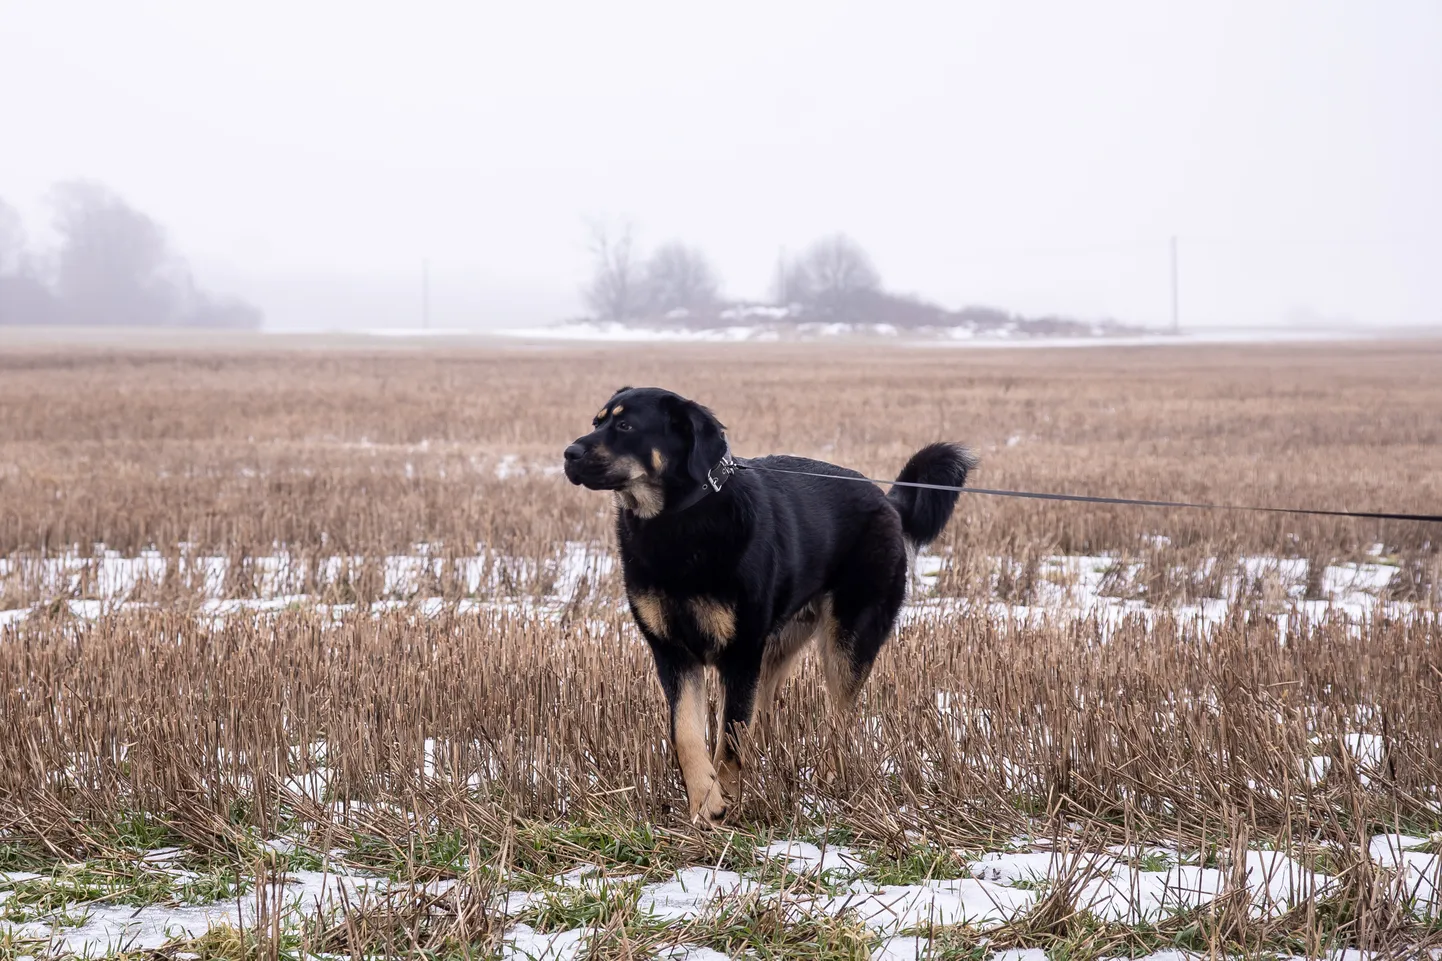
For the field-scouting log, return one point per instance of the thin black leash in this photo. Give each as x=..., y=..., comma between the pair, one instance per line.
x=1088, y=499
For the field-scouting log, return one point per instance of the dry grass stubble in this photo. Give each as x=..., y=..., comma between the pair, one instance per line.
x=502, y=719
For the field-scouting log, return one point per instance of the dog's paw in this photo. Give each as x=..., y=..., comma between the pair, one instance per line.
x=711, y=809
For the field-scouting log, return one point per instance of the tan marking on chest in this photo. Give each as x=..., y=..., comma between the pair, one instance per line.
x=714, y=618
x=651, y=610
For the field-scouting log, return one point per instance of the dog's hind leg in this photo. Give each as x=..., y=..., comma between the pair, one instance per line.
x=865, y=600
x=740, y=681
x=783, y=649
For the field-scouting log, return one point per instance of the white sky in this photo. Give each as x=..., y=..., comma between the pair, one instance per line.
x=1035, y=156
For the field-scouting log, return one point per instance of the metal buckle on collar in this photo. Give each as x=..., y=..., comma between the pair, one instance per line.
x=719, y=474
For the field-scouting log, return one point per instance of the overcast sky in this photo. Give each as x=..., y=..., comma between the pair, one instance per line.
x=310, y=154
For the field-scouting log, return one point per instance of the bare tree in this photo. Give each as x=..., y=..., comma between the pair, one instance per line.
x=112, y=265
x=614, y=292
x=24, y=298
x=679, y=278
x=834, y=273
x=115, y=266
x=12, y=240
x=792, y=284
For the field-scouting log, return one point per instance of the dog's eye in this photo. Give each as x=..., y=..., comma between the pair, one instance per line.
x=622, y=425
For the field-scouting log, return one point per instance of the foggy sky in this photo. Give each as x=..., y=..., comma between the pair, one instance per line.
x=1034, y=156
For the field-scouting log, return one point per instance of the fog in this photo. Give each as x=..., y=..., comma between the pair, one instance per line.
x=310, y=158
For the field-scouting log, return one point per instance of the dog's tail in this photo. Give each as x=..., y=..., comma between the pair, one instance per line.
x=924, y=512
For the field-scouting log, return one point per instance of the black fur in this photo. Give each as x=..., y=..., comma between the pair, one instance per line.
x=924, y=512
x=740, y=579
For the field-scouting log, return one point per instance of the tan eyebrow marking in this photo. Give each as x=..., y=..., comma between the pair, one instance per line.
x=616, y=411
x=600, y=415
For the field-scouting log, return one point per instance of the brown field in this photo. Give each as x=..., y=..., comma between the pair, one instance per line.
x=479, y=700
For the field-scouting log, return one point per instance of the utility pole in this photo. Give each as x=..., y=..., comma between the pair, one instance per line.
x=1176, y=302
x=425, y=294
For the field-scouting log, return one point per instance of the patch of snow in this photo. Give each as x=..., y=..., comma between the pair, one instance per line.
x=748, y=311
x=109, y=928
x=689, y=894
x=689, y=952
x=1010, y=868
x=903, y=947
x=524, y=943
x=617, y=332
x=803, y=856
x=897, y=907
x=509, y=466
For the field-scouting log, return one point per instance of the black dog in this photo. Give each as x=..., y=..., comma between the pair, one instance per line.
x=735, y=568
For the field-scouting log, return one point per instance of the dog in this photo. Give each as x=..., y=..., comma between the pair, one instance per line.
x=730, y=566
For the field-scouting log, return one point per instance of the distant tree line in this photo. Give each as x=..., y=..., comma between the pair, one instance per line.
x=831, y=281
x=626, y=286
x=112, y=265
x=834, y=275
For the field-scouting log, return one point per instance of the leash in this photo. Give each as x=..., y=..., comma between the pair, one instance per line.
x=1089, y=499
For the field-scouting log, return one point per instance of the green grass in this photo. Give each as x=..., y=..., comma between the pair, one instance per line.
x=12, y=947
x=593, y=905
x=760, y=928
x=445, y=851
x=782, y=920
x=63, y=894
x=25, y=856
x=1152, y=861
x=911, y=865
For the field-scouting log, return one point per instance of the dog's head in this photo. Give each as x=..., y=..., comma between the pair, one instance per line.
x=650, y=446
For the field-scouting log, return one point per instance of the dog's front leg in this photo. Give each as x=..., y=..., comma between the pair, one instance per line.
x=684, y=682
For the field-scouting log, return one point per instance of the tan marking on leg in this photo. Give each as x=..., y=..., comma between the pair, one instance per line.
x=728, y=775
x=616, y=411
x=783, y=650
x=714, y=618
x=836, y=664
x=658, y=460
x=704, y=797
x=651, y=610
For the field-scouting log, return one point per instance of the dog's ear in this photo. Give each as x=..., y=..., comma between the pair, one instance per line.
x=704, y=435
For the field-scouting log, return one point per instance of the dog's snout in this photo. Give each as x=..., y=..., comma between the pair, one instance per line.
x=574, y=452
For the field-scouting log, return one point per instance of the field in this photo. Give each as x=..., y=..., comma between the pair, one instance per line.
x=311, y=651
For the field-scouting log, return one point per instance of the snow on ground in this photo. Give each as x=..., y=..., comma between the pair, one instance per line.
x=802, y=856
x=1063, y=586
x=113, y=928
x=1098, y=586
x=1113, y=885
x=770, y=324
x=624, y=333
x=1124, y=886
